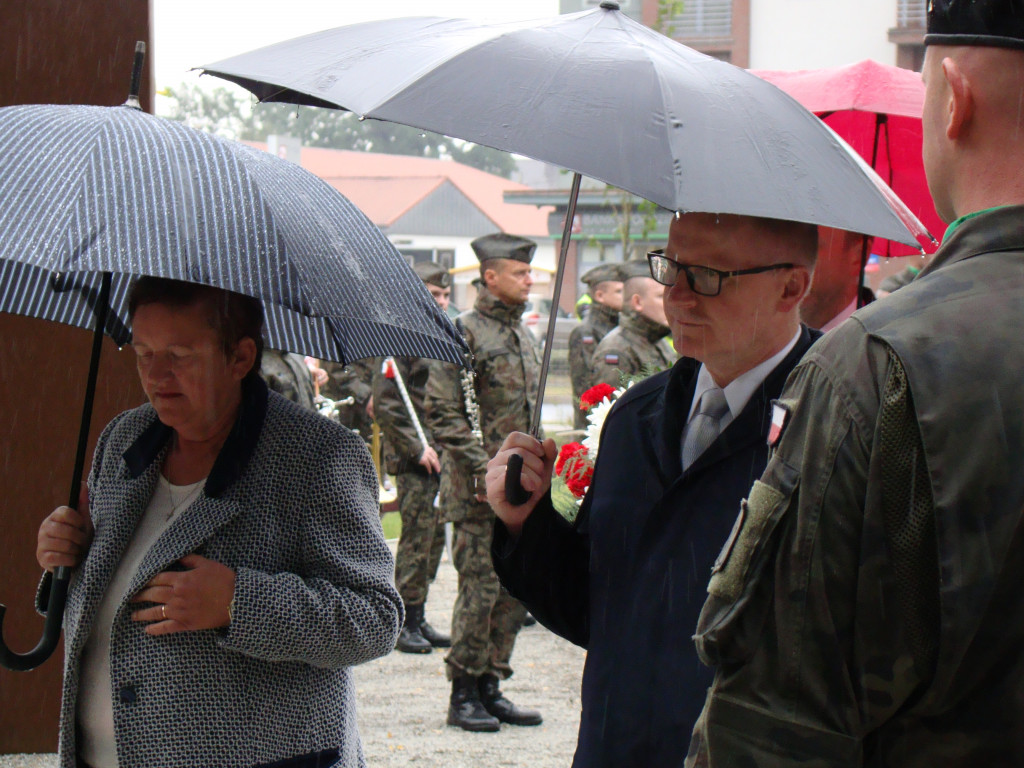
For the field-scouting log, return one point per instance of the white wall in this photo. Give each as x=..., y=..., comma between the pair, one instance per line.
x=811, y=34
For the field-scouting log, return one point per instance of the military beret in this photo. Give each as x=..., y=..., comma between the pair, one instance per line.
x=636, y=268
x=603, y=273
x=992, y=23
x=432, y=273
x=502, y=246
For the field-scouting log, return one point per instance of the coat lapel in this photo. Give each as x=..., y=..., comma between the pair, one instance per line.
x=115, y=521
x=665, y=418
x=185, y=535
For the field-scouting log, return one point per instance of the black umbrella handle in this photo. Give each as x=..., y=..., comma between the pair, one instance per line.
x=514, y=491
x=22, y=662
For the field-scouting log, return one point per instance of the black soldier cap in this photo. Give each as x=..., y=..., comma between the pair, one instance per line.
x=992, y=23
x=502, y=246
x=603, y=273
x=432, y=273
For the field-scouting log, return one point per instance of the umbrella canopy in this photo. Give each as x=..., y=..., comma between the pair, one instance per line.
x=877, y=109
x=91, y=190
x=95, y=195
x=599, y=94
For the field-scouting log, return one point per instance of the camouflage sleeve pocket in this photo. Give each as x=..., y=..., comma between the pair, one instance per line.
x=753, y=524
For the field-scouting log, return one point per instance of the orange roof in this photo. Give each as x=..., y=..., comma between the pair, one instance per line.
x=385, y=187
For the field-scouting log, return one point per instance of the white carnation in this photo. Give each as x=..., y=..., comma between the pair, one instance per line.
x=595, y=421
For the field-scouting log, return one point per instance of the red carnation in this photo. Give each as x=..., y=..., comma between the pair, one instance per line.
x=595, y=395
x=578, y=478
x=569, y=452
x=575, y=468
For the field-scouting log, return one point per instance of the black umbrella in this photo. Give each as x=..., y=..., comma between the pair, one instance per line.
x=93, y=196
x=595, y=93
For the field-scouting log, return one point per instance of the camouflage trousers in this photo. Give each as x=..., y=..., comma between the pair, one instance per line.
x=422, y=540
x=486, y=618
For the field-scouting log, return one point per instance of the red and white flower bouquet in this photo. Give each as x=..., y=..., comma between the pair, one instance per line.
x=574, y=467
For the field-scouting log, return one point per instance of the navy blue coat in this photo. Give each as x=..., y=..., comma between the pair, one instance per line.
x=627, y=582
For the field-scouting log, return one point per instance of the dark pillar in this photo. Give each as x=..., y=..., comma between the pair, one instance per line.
x=58, y=52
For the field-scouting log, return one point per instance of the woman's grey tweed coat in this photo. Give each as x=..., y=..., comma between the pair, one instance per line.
x=291, y=504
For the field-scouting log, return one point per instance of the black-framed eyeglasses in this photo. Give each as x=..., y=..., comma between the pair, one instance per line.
x=702, y=280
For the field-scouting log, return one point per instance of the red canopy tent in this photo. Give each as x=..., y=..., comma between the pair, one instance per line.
x=877, y=109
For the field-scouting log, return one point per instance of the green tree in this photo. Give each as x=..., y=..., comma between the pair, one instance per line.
x=228, y=113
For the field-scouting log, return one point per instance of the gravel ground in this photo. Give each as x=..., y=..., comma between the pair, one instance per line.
x=403, y=702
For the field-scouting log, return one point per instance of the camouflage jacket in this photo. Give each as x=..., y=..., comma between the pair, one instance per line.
x=867, y=608
x=286, y=373
x=352, y=380
x=507, y=366
x=583, y=340
x=402, y=447
x=636, y=345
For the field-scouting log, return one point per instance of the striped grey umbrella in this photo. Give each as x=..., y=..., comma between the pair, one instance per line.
x=93, y=196
x=89, y=190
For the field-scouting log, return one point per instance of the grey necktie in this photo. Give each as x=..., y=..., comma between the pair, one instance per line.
x=703, y=428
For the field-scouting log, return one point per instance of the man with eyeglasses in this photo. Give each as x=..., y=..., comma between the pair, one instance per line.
x=636, y=347
x=677, y=453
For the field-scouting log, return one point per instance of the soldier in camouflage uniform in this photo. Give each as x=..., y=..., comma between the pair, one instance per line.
x=287, y=374
x=637, y=347
x=352, y=380
x=416, y=468
x=604, y=286
x=486, y=619
x=868, y=608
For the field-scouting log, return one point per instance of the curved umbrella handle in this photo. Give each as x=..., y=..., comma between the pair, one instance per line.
x=22, y=662
x=514, y=491
x=62, y=576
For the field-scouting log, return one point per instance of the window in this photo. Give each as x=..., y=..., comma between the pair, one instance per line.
x=443, y=256
x=908, y=34
x=911, y=13
x=703, y=19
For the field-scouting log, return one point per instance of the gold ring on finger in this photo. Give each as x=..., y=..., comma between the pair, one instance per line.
x=163, y=611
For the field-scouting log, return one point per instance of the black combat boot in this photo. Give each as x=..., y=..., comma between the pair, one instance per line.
x=465, y=709
x=503, y=709
x=435, y=638
x=409, y=639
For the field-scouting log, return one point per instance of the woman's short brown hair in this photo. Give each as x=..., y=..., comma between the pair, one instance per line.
x=234, y=316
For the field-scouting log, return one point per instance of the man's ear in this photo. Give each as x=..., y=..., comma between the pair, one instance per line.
x=489, y=276
x=244, y=357
x=961, y=99
x=797, y=283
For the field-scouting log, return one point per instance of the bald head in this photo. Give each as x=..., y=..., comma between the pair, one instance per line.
x=973, y=126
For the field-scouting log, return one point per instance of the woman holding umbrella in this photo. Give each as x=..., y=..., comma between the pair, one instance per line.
x=232, y=564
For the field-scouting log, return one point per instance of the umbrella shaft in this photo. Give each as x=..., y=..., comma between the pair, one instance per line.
x=549, y=336
x=102, y=308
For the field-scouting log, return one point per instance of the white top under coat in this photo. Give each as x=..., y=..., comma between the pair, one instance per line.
x=97, y=745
